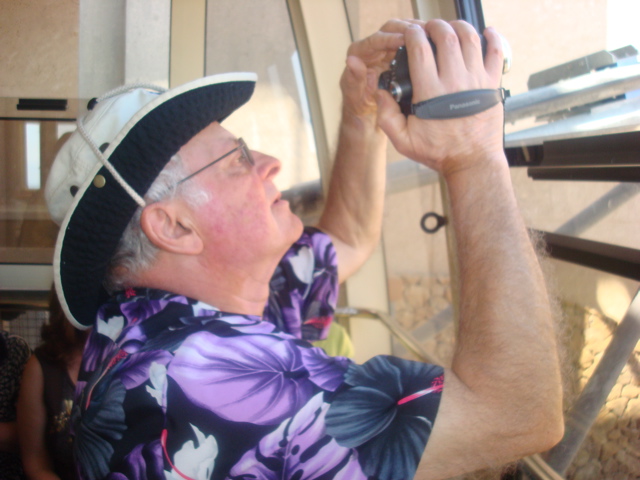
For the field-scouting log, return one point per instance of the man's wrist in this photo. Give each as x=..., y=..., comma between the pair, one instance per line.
x=365, y=125
x=480, y=165
x=358, y=119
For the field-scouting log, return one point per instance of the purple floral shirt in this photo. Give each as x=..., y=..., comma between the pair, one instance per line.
x=172, y=388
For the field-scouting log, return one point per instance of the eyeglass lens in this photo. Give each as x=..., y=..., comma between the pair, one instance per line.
x=246, y=156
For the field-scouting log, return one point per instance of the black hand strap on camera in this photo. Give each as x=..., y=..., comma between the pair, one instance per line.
x=460, y=104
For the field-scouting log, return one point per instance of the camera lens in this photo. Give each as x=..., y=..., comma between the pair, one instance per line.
x=396, y=90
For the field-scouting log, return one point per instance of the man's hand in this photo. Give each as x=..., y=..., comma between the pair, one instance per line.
x=366, y=60
x=454, y=144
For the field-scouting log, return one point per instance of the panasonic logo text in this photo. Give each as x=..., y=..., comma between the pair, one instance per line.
x=457, y=106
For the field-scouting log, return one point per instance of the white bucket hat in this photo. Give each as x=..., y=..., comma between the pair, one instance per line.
x=102, y=173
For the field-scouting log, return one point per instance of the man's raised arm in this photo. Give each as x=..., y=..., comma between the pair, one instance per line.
x=502, y=396
x=355, y=200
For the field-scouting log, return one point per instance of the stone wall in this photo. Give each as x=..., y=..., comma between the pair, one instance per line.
x=413, y=299
x=612, y=447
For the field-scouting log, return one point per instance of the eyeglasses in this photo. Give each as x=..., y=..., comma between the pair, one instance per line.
x=246, y=157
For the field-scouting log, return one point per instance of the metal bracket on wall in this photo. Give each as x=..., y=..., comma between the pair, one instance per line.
x=612, y=158
x=605, y=257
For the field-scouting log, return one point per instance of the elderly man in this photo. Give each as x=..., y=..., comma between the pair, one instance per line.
x=198, y=365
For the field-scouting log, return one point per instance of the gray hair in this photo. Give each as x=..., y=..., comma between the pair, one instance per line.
x=135, y=252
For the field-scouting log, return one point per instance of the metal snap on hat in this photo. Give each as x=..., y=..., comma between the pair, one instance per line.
x=102, y=173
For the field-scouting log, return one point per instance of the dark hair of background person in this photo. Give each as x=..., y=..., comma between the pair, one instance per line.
x=3, y=350
x=59, y=338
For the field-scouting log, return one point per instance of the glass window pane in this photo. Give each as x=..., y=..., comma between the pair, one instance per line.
x=245, y=35
x=27, y=234
x=366, y=17
x=32, y=154
x=573, y=42
x=604, y=212
x=566, y=40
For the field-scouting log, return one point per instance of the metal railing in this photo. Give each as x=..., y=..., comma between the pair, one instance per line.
x=396, y=330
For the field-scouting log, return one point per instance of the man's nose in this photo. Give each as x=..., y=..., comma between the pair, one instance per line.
x=266, y=165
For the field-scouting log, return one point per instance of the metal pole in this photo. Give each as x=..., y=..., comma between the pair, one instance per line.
x=599, y=209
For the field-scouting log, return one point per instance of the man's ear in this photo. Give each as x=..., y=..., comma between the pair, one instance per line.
x=169, y=227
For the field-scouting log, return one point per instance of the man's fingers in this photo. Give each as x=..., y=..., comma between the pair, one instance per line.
x=449, y=55
x=358, y=84
x=355, y=72
x=422, y=64
x=390, y=119
x=470, y=45
x=381, y=46
x=494, y=58
x=374, y=45
x=400, y=25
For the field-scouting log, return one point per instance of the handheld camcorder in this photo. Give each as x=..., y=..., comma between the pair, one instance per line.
x=397, y=81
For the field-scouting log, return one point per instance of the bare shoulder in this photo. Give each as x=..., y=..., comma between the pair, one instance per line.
x=32, y=378
x=32, y=369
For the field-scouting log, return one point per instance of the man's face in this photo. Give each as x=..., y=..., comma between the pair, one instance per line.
x=244, y=219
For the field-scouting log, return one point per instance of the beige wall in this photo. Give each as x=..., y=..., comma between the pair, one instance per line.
x=81, y=48
x=39, y=48
x=544, y=33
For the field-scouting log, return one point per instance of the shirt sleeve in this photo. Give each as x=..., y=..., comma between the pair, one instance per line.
x=386, y=411
x=375, y=426
x=304, y=288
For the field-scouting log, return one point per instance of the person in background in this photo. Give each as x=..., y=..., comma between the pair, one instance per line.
x=338, y=342
x=46, y=398
x=199, y=366
x=14, y=353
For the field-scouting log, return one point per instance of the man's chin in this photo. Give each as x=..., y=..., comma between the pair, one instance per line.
x=298, y=227
x=290, y=226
